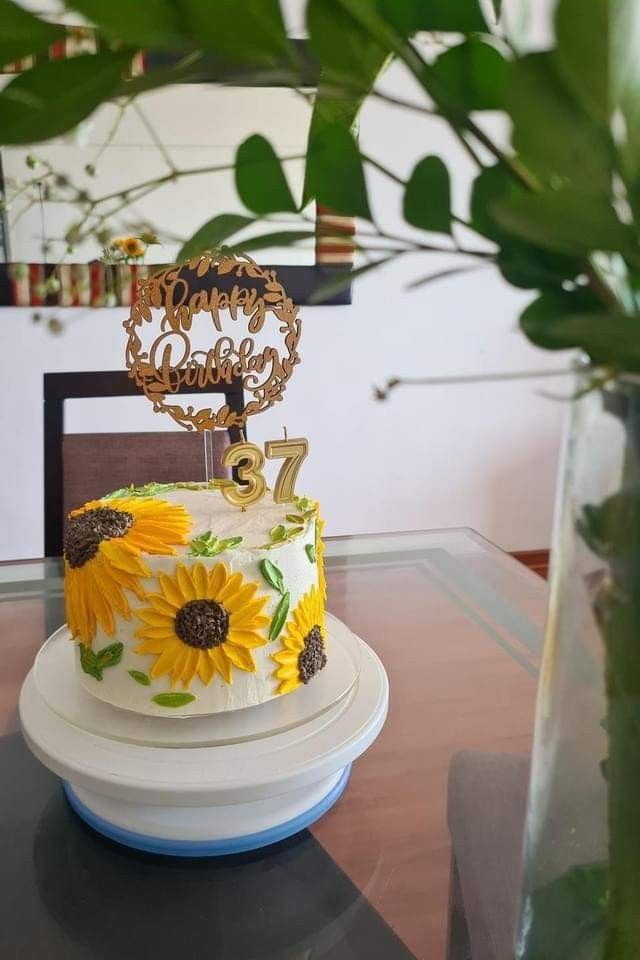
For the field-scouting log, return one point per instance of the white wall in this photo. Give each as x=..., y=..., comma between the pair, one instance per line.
x=480, y=456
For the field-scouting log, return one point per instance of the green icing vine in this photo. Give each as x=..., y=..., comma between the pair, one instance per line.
x=153, y=489
x=207, y=545
x=173, y=699
x=140, y=677
x=94, y=663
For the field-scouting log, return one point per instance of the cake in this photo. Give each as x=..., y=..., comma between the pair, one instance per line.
x=181, y=604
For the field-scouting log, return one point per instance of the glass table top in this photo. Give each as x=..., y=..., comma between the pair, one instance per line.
x=458, y=625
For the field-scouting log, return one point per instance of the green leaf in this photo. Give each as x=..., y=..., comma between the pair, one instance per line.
x=154, y=23
x=551, y=133
x=310, y=550
x=446, y=16
x=427, y=199
x=89, y=662
x=522, y=264
x=54, y=97
x=173, y=699
x=260, y=180
x=350, y=60
x=441, y=275
x=566, y=221
x=582, y=52
x=474, y=75
x=568, y=915
x=335, y=174
x=213, y=233
x=559, y=320
x=278, y=532
x=109, y=656
x=23, y=34
x=140, y=677
x=249, y=31
x=230, y=542
x=273, y=575
x=279, y=617
x=279, y=238
x=342, y=279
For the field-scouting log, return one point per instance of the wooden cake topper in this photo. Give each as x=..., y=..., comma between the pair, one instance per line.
x=252, y=297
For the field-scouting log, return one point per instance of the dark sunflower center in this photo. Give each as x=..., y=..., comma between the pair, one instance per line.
x=313, y=658
x=85, y=533
x=202, y=624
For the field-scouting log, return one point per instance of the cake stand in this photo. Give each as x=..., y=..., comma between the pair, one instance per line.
x=206, y=786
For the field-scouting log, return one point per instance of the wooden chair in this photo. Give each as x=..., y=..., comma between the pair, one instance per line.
x=81, y=467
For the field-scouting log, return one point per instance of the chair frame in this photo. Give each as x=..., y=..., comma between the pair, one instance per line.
x=59, y=387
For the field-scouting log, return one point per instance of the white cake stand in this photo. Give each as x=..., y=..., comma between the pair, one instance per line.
x=206, y=786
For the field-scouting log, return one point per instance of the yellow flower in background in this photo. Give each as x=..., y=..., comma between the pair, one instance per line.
x=130, y=246
x=205, y=621
x=303, y=652
x=102, y=546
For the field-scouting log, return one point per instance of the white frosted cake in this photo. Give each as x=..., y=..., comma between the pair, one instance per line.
x=181, y=604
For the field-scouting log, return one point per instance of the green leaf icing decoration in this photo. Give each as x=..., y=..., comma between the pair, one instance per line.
x=310, y=551
x=94, y=663
x=280, y=616
x=146, y=490
x=89, y=662
x=296, y=518
x=273, y=575
x=140, y=677
x=278, y=533
x=208, y=545
x=110, y=656
x=173, y=699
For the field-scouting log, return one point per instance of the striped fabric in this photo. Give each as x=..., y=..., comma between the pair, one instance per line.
x=335, y=242
x=78, y=40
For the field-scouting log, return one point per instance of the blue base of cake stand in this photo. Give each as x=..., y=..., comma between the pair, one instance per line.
x=208, y=848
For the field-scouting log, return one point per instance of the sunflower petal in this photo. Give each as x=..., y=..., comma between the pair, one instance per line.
x=240, y=657
x=222, y=665
x=246, y=638
x=217, y=579
x=288, y=685
x=206, y=669
x=171, y=591
x=185, y=583
x=166, y=660
x=200, y=576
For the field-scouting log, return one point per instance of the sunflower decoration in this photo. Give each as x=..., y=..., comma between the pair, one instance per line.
x=103, y=544
x=322, y=580
x=303, y=651
x=204, y=621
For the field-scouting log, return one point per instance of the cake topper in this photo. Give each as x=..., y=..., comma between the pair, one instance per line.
x=251, y=300
x=168, y=302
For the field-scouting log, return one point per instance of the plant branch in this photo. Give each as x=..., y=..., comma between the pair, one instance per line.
x=382, y=393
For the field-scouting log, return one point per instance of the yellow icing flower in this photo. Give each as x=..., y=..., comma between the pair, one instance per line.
x=303, y=653
x=102, y=547
x=205, y=621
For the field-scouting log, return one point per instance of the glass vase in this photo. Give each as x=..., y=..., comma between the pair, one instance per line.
x=581, y=889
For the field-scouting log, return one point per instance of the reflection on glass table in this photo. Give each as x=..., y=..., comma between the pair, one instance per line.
x=458, y=625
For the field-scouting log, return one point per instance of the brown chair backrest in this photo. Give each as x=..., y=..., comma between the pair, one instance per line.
x=78, y=467
x=95, y=463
